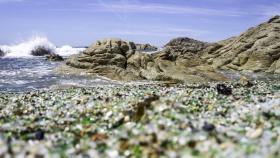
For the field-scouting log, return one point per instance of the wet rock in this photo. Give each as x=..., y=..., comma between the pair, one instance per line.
x=54, y=57
x=1, y=53
x=41, y=51
x=223, y=89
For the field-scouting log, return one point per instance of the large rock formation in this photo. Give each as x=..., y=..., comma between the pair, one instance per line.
x=107, y=58
x=184, y=59
x=256, y=50
x=146, y=47
x=117, y=59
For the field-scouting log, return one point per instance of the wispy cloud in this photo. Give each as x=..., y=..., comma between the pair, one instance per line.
x=121, y=8
x=160, y=32
x=270, y=10
x=128, y=7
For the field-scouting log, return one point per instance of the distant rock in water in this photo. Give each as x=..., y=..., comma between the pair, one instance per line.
x=146, y=47
x=41, y=51
x=256, y=50
x=54, y=57
x=1, y=53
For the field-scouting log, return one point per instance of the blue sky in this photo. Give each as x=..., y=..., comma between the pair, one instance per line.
x=81, y=22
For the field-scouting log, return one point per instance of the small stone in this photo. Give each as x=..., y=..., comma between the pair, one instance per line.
x=255, y=133
x=223, y=89
x=124, y=144
x=208, y=127
x=192, y=144
x=39, y=135
x=99, y=137
x=244, y=81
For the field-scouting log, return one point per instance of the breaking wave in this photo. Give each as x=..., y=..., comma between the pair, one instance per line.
x=67, y=50
x=25, y=48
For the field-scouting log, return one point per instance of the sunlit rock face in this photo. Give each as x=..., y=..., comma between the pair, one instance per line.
x=117, y=59
x=256, y=50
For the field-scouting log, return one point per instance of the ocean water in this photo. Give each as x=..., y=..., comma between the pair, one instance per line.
x=20, y=71
x=26, y=74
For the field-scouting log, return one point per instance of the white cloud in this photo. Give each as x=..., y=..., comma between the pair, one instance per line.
x=128, y=7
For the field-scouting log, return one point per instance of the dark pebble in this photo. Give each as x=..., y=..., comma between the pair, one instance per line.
x=208, y=127
x=192, y=144
x=267, y=115
x=223, y=89
x=39, y=135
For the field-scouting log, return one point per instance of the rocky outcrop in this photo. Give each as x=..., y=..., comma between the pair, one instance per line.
x=146, y=47
x=54, y=57
x=1, y=53
x=180, y=47
x=107, y=58
x=256, y=50
x=183, y=48
x=117, y=59
x=41, y=51
x=184, y=59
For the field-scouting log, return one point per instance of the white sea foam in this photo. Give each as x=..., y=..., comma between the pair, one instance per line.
x=25, y=48
x=67, y=50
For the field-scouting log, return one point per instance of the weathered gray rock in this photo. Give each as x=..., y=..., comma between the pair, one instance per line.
x=107, y=58
x=41, y=51
x=184, y=59
x=1, y=53
x=117, y=59
x=54, y=57
x=256, y=50
x=183, y=48
x=146, y=47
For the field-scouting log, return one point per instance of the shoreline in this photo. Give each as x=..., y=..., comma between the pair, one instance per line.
x=143, y=120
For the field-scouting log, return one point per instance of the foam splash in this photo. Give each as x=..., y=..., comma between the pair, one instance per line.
x=25, y=48
x=68, y=50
